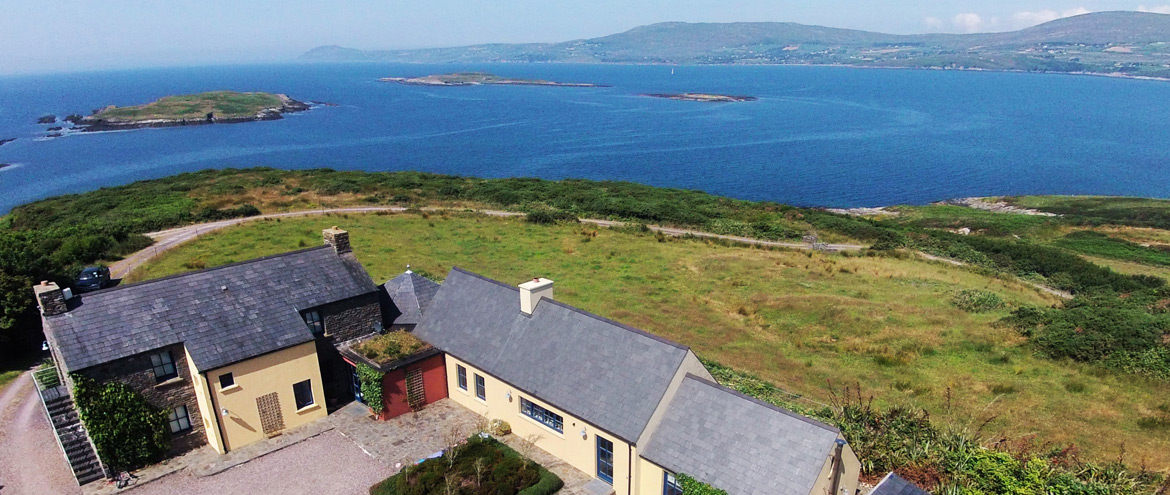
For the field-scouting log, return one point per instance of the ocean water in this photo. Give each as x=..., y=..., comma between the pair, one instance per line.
x=818, y=136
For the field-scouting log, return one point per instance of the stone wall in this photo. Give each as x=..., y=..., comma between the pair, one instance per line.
x=344, y=321
x=138, y=372
x=351, y=318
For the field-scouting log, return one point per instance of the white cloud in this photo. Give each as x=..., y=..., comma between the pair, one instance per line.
x=968, y=22
x=1028, y=19
x=934, y=24
x=1165, y=9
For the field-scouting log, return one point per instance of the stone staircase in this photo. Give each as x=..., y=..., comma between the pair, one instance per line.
x=71, y=434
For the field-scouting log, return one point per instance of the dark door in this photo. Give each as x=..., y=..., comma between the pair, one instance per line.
x=604, y=459
x=357, y=385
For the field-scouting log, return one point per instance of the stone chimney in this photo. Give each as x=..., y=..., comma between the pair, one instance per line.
x=50, y=298
x=532, y=291
x=337, y=238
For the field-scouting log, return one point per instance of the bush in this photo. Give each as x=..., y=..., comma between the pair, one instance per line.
x=691, y=486
x=128, y=431
x=499, y=427
x=977, y=301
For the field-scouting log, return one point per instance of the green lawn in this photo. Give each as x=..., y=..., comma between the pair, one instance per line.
x=225, y=104
x=808, y=322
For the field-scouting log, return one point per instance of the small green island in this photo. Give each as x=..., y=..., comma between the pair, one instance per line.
x=479, y=79
x=703, y=97
x=215, y=107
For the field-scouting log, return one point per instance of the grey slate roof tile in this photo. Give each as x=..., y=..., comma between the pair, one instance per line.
x=737, y=443
x=599, y=370
x=410, y=294
x=893, y=484
x=222, y=315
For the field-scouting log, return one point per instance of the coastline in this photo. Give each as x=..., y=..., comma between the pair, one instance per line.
x=288, y=105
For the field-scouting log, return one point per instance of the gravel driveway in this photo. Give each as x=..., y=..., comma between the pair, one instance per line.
x=326, y=464
x=30, y=460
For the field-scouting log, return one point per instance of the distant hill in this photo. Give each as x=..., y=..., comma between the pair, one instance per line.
x=1129, y=43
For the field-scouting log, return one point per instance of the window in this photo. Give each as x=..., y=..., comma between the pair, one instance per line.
x=461, y=375
x=226, y=380
x=164, y=366
x=179, y=420
x=480, y=388
x=304, y=394
x=670, y=485
x=604, y=459
x=313, y=320
x=542, y=415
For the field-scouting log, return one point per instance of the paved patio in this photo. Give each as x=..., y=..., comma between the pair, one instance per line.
x=347, y=452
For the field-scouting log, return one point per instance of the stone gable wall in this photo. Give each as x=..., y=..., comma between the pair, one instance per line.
x=138, y=372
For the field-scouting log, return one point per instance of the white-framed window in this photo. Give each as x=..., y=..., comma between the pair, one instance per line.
x=670, y=485
x=226, y=380
x=179, y=420
x=303, y=392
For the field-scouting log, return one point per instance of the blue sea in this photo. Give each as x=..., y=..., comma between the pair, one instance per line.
x=818, y=136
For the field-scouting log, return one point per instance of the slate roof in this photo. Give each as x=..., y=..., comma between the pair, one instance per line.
x=893, y=484
x=739, y=444
x=596, y=369
x=410, y=294
x=222, y=315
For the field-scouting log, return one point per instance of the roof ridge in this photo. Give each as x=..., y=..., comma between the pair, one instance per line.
x=205, y=270
x=580, y=311
x=768, y=405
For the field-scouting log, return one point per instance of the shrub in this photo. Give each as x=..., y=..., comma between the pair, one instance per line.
x=128, y=431
x=692, y=486
x=499, y=427
x=977, y=301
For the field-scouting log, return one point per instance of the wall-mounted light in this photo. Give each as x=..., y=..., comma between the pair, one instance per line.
x=508, y=394
x=584, y=435
x=225, y=412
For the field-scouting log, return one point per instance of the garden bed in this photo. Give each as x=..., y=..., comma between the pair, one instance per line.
x=481, y=466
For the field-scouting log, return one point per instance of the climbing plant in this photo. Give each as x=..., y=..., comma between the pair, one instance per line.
x=691, y=486
x=127, y=431
x=371, y=380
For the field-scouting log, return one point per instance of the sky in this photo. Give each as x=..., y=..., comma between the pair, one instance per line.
x=70, y=35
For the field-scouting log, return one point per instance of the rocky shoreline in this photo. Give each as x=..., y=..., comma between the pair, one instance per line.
x=93, y=123
x=479, y=79
x=702, y=97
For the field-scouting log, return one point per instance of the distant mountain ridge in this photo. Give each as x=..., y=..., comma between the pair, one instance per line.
x=1126, y=43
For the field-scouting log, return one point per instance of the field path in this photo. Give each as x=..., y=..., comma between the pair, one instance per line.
x=165, y=240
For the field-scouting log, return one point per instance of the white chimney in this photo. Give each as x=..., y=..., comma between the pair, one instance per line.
x=532, y=291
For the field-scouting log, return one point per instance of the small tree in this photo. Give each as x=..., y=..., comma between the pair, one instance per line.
x=127, y=431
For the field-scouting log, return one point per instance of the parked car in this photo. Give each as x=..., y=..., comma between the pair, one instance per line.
x=93, y=278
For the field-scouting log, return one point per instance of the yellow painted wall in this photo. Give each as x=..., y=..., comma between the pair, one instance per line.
x=570, y=447
x=206, y=407
x=850, y=470
x=649, y=477
x=274, y=372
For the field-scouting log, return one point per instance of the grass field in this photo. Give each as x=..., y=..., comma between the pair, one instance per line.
x=225, y=104
x=808, y=322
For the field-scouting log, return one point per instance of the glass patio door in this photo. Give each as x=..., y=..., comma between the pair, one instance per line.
x=604, y=459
